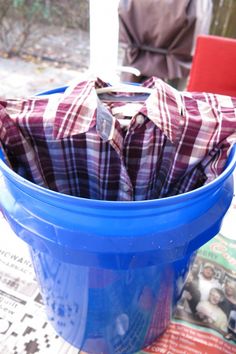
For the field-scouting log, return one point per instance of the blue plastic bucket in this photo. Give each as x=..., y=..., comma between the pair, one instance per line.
x=111, y=273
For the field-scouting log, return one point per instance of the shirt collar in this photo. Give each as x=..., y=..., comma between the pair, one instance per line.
x=80, y=109
x=164, y=107
x=77, y=110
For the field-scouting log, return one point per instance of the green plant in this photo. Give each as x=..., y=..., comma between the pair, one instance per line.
x=18, y=20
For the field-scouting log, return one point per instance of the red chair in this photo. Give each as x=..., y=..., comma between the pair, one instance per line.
x=214, y=66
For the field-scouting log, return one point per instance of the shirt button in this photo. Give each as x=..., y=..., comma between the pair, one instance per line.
x=140, y=119
x=125, y=188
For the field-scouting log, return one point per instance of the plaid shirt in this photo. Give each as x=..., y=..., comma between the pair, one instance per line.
x=74, y=143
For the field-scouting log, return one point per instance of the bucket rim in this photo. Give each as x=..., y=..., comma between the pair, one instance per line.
x=48, y=193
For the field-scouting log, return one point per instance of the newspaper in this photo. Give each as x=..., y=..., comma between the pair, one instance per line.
x=205, y=318
x=204, y=321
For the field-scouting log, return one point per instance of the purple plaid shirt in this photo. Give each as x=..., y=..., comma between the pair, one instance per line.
x=74, y=143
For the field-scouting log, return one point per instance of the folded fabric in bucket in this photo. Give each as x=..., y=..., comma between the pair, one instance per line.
x=74, y=142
